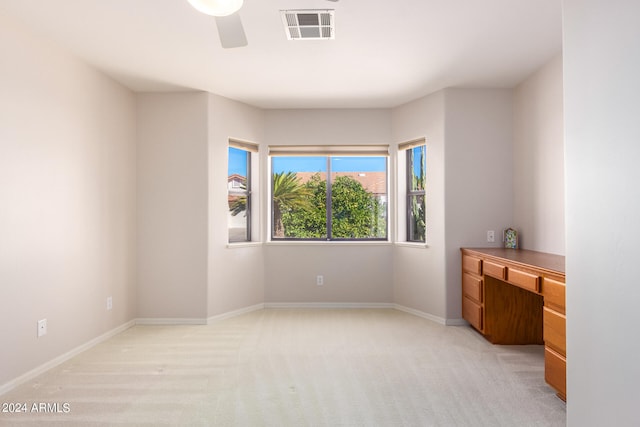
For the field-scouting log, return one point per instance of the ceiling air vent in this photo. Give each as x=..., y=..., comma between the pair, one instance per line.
x=309, y=24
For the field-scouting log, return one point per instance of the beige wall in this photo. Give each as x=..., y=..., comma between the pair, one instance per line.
x=330, y=126
x=67, y=202
x=354, y=272
x=186, y=269
x=538, y=160
x=419, y=276
x=469, y=173
x=172, y=183
x=602, y=133
x=236, y=272
x=478, y=176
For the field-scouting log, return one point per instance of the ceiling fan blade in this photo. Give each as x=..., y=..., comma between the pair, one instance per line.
x=231, y=31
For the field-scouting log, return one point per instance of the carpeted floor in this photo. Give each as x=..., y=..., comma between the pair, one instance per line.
x=296, y=367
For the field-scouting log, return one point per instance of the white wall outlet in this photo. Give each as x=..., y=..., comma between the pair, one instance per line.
x=42, y=327
x=109, y=303
x=491, y=236
x=319, y=280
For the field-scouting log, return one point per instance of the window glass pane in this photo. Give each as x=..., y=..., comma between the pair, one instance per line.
x=417, y=223
x=418, y=168
x=416, y=184
x=357, y=192
x=299, y=195
x=238, y=192
x=358, y=197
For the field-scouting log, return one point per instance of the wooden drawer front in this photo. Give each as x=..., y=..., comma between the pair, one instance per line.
x=472, y=264
x=495, y=270
x=554, y=326
x=472, y=313
x=472, y=286
x=528, y=281
x=555, y=371
x=554, y=294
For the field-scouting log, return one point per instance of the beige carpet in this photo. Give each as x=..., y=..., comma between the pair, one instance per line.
x=297, y=367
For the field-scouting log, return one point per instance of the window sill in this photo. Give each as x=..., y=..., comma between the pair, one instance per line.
x=326, y=243
x=414, y=245
x=239, y=245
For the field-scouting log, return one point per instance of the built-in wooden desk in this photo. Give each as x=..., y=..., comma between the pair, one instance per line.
x=515, y=296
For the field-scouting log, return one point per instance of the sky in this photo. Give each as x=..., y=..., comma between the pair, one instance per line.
x=416, y=159
x=319, y=164
x=237, y=161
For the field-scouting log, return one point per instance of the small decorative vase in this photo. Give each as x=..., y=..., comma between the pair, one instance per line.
x=510, y=238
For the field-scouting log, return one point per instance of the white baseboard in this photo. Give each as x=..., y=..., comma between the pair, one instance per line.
x=234, y=313
x=440, y=320
x=195, y=320
x=328, y=305
x=457, y=322
x=422, y=314
x=4, y=388
x=170, y=321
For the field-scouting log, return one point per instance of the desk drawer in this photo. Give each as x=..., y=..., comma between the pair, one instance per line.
x=525, y=280
x=554, y=294
x=554, y=327
x=472, y=286
x=472, y=264
x=495, y=270
x=472, y=313
x=555, y=371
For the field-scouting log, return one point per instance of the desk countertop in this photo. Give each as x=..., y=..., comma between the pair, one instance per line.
x=525, y=257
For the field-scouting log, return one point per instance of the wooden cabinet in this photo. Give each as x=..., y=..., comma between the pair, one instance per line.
x=555, y=331
x=472, y=312
x=555, y=335
x=472, y=292
x=516, y=296
x=472, y=286
x=495, y=270
x=555, y=371
x=528, y=281
x=472, y=264
x=554, y=294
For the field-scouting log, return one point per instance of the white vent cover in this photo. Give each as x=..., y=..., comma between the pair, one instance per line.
x=310, y=24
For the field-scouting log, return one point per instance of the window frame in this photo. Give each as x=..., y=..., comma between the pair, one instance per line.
x=411, y=193
x=329, y=152
x=249, y=149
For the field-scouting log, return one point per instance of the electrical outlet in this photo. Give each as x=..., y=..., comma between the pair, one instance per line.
x=491, y=236
x=109, y=303
x=42, y=327
x=319, y=280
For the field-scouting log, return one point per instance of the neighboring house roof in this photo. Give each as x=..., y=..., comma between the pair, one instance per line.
x=236, y=177
x=234, y=185
x=373, y=182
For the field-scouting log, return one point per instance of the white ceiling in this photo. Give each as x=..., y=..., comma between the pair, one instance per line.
x=385, y=52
